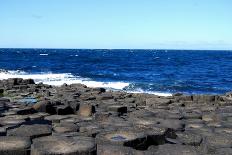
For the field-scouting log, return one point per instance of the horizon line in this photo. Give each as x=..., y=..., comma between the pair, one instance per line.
x=170, y=49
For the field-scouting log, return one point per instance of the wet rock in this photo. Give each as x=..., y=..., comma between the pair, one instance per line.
x=31, y=131
x=57, y=145
x=14, y=145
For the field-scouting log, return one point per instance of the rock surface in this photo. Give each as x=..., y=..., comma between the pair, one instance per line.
x=75, y=119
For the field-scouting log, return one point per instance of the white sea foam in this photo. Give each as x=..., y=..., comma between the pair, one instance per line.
x=43, y=54
x=150, y=92
x=59, y=79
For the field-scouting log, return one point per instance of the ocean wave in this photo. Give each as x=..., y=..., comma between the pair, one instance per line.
x=59, y=79
x=68, y=78
x=138, y=90
x=43, y=54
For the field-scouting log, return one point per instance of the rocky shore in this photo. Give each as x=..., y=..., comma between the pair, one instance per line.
x=40, y=119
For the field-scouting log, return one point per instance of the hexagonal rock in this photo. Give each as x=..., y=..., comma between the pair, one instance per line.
x=215, y=141
x=56, y=118
x=187, y=138
x=14, y=145
x=175, y=149
x=204, y=98
x=32, y=131
x=126, y=137
x=117, y=108
x=223, y=151
x=64, y=110
x=106, y=149
x=57, y=145
x=86, y=110
x=155, y=135
x=157, y=101
x=65, y=127
x=2, y=131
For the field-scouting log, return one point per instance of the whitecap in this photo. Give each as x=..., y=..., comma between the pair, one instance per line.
x=43, y=54
x=61, y=78
x=139, y=90
x=57, y=79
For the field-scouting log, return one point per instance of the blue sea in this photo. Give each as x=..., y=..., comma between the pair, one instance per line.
x=161, y=72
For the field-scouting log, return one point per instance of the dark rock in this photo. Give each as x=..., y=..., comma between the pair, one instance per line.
x=26, y=111
x=2, y=131
x=44, y=106
x=157, y=101
x=32, y=131
x=118, y=108
x=217, y=141
x=106, y=149
x=204, y=98
x=64, y=110
x=105, y=96
x=56, y=118
x=175, y=149
x=223, y=151
x=183, y=98
x=188, y=138
x=14, y=145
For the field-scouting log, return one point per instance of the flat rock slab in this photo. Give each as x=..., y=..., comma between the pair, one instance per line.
x=57, y=145
x=126, y=137
x=174, y=149
x=14, y=145
x=32, y=131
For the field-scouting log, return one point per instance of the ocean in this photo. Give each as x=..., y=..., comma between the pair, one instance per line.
x=161, y=72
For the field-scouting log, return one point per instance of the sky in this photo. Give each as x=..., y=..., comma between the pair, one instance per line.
x=116, y=24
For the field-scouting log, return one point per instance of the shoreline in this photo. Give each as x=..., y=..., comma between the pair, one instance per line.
x=39, y=115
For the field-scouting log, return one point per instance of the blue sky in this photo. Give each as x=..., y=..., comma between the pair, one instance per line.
x=178, y=24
